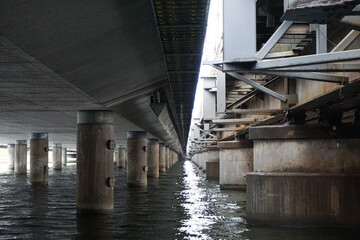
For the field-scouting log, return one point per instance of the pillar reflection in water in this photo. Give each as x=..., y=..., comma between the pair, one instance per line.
x=39, y=209
x=95, y=226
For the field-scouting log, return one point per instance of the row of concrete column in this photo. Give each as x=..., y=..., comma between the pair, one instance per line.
x=159, y=156
x=141, y=157
x=39, y=148
x=306, y=175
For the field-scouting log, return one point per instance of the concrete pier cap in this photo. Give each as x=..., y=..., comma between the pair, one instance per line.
x=39, y=136
x=305, y=175
x=95, y=117
x=136, y=134
x=20, y=142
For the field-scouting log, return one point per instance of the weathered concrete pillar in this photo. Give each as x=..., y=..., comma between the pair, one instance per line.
x=20, y=164
x=167, y=157
x=57, y=156
x=162, y=152
x=212, y=163
x=64, y=156
x=39, y=158
x=200, y=157
x=94, y=165
x=126, y=156
x=121, y=156
x=170, y=157
x=195, y=158
x=203, y=157
x=137, y=156
x=11, y=156
x=153, y=157
x=236, y=160
x=305, y=175
x=176, y=157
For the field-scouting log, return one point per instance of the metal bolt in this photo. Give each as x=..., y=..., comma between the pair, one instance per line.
x=111, y=182
x=111, y=144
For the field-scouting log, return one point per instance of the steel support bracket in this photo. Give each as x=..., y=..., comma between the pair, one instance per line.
x=259, y=87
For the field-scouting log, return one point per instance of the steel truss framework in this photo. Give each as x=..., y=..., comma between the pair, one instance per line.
x=323, y=66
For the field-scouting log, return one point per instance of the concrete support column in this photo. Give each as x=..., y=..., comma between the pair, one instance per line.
x=167, y=158
x=203, y=159
x=170, y=157
x=305, y=175
x=236, y=160
x=176, y=157
x=212, y=163
x=153, y=157
x=39, y=158
x=94, y=165
x=162, y=151
x=57, y=156
x=64, y=156
x=137, y=159
x=195, y=159
x=20, y=164
x=11, y=156
x=121, y=156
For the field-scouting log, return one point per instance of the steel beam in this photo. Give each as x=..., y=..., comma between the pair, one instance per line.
x=226, y=129
x=259, y=87
x=281, y=54
x=311, y=76
x=321, y=38
x=274, y=39
x=255, y=111
x=221, y=92
x=234, y=121
x=239, y=30
x=350, y=38
x=308, y=60
x=329, y=67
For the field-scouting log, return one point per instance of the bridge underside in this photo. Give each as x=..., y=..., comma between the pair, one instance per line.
x=60, y=57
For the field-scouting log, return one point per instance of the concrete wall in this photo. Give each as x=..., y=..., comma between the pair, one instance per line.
x=235, y=162
x=317, y=156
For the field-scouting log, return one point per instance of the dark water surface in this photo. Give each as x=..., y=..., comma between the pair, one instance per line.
x=181, y=204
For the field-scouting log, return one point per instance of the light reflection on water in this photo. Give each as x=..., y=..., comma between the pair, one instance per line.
x=181, y=204
x=206, y=208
